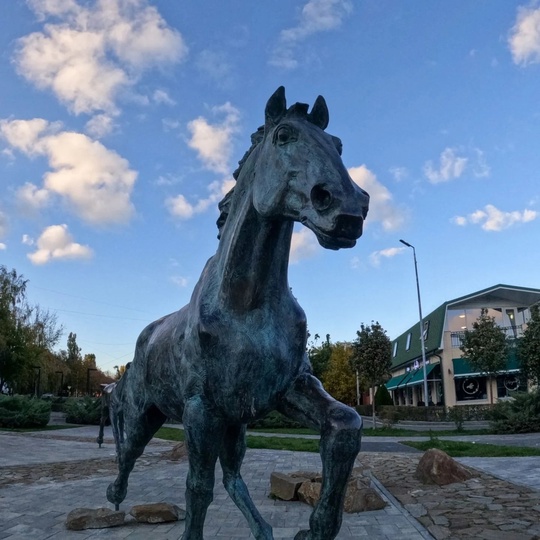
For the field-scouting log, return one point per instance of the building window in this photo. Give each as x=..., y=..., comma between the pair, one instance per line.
x=395, y=349
x=470, y=388
x=408, y=346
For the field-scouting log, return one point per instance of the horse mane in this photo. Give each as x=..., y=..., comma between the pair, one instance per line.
x=296, y=110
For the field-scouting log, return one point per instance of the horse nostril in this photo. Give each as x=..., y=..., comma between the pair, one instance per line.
x=320, y=198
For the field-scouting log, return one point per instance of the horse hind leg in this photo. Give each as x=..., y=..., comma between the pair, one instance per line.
x=134, y=428
x=340, y=428
x=231, y=457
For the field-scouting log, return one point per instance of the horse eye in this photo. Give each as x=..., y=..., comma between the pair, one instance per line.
x=284, y=134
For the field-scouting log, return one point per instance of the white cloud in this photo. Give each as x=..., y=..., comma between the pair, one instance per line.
x=161, y=97
x=95, y=182
x=388, y=253
x=31, y=198
x=95, y=50
x=381, y=205
x=100, y=126
x=181, y=208
x=180, y=281
x=492, y=219
x=303, y=245
x=2, y=246
x=450, y=166
x=215, y=66
x=27, y=240
x=55, y=243
x=399, y=173
x=480, y=167
x=316, y=16
x=3, y=224
x=213, y=142
x=524, y=40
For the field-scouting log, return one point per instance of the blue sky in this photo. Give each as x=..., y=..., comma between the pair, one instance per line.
x=121, y=122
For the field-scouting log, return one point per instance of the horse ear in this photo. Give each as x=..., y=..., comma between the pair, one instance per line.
x=276, y=107
x=319, y=114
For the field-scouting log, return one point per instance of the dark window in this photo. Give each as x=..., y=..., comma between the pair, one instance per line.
x=470, y=388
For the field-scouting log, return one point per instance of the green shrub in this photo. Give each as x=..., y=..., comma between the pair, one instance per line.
x=58, y=404
x=275, y=420
x=85, y=410
x=364, y=410
x=23, y=412
x=457, y=415
x=382, y=397
x=518, y=415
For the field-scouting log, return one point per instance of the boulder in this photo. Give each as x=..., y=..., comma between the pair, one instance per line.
x=437, y=467
x=93, y=518
x=309, y=475
x=309, y=492
x=361, y=497
x=179, y=452
x=284, y=486
x=157, y=513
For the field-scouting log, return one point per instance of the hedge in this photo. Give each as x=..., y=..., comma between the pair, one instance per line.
x=84, y=410
x=24, y=412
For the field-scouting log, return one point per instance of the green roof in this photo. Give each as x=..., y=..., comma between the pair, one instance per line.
x=525, y=296
x=433, y=340
x=394, y=382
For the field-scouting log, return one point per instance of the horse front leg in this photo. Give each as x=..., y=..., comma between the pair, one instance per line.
x=341, y=429
x=231, y=457
x=204, y=434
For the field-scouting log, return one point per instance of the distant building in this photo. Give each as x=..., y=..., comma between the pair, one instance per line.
x=451, y=379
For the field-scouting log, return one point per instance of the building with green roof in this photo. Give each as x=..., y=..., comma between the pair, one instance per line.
x=451, y=379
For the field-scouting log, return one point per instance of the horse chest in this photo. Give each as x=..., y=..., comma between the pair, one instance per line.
x=250, y=362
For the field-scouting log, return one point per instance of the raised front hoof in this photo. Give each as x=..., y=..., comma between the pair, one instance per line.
x=302, y=535
x=115, y=495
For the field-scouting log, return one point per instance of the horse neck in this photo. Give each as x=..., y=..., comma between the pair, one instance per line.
x=253, y=255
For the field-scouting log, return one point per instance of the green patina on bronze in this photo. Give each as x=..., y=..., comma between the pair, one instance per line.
x=238, y=349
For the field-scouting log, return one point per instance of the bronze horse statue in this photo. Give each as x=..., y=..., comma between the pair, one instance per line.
x=238, y=349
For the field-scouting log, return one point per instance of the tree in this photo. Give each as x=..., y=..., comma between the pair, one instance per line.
x=319, y=356
x=485, y=347
x=339, y=378
x=27, y=336
x=76, y=377
x=529, y=347
x=372, y=357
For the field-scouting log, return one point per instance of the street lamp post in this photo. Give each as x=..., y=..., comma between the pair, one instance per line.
x=422, y=344
x=61, y=373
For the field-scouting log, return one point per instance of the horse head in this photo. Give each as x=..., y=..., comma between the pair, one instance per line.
x=300, y=174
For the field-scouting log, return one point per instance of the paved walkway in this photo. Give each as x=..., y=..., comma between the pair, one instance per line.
x=37, y=510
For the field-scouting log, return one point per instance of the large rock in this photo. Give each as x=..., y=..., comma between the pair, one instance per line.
x=359, y=496
x=179, y=452
x=93, y=518
x=437, y=467
x=284, y=486
x=309, y=492
x=157, y=513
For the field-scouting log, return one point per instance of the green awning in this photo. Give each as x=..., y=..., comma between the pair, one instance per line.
x=463, y=368
x=418, y=376
x=397, y=381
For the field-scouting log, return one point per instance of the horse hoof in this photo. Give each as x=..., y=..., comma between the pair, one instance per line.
x=302, y=535
x=114, y=495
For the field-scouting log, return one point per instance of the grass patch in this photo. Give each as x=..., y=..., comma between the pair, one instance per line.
x=253, y=441
x=470, y=449
x=397, y=432
x=378, y=432
x=287, y=431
